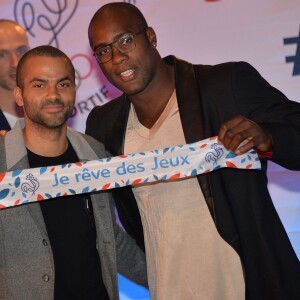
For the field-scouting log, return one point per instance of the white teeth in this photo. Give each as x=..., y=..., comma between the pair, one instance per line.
x=127, y=73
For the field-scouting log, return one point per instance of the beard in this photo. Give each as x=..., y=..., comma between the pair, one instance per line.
x=48, y=120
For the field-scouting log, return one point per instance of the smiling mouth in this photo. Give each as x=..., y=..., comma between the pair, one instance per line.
x=127, y=75
x=53, y=108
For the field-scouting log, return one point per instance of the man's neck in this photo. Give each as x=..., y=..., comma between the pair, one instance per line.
x=46, y=142
x=8, y=103
x=150, y=104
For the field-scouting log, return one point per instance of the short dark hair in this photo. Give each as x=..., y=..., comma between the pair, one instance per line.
x=44, y=50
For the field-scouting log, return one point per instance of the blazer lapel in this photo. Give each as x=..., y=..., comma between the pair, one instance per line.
x=16, y=154
x=80, y=145
x=191, y=114
x=118, y=128
x=189, y=101
x=16, y=158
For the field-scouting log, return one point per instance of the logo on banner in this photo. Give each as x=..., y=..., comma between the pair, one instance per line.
x=31, y=186
x=295, y=59
x=215, y=155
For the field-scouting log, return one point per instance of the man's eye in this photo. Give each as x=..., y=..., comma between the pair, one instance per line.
x=3, y=54
x=104, y=51
x=64, y=84
x=21, y=51
x=126, y=40
x=38, y=85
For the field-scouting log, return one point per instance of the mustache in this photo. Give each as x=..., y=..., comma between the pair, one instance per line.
x=52, y=102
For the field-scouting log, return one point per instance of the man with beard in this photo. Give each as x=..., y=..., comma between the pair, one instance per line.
x=68, y=248
x=13, y=44
x=216, y=235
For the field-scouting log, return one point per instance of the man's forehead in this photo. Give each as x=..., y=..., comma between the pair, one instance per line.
x=11, y=29
x=44, y=61
x=12, y=40
x=108, y=31
x=47, y=67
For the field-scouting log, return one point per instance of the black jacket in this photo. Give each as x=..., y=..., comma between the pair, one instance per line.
x=238, y=200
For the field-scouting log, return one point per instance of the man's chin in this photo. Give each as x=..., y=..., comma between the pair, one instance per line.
x=8, y=86
x=52, y=124
x=130, y=90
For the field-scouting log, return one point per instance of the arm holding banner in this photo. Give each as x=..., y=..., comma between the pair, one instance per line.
x=277, y=116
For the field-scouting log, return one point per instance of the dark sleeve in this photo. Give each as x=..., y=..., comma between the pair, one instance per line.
x=3, y=167
x=131, y=260
x=129, y=214
x=262, y=103
x=101, y=125
x=92, y=128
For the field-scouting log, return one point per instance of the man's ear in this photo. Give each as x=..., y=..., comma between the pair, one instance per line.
x=151, y=35
x=18, y=96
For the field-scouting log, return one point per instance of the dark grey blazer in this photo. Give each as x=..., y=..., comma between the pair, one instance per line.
x=26, y=261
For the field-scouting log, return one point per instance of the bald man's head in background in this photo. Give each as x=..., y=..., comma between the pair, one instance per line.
x=13, y=44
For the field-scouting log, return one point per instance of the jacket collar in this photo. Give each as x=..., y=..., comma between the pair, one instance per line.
x=188, y=99
x=16, y=154
x=118, y=131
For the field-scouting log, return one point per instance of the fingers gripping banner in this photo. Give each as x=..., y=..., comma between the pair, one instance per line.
x=29, y=185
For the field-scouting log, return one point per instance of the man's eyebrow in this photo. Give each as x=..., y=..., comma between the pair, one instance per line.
x=65, y=78
x=34, y=79
x=118, y=36
x=37, y=79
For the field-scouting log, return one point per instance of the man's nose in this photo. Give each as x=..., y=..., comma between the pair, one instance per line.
x=14, y=59
x=52, y=92
x=118, y=56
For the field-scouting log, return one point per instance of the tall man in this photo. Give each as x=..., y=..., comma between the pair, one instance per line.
x=13, y=44
x=214, y=236
x=67, y=248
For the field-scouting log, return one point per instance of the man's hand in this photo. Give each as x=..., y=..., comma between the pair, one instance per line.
x=3, y=132
x=240, y=135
